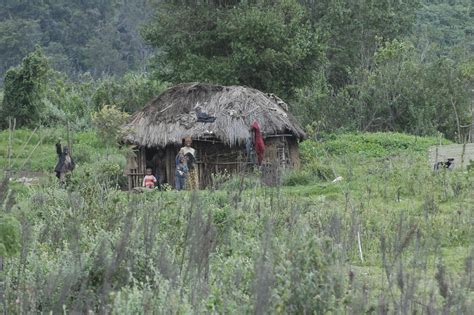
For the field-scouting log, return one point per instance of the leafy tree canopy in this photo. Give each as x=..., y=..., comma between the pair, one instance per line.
x=350, y=29
x=100, y=37
x=271, y=47
x=24, y=90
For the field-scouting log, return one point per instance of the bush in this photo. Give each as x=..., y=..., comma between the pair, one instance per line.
x=9, y=235
x=470, y=167
x=320, y=170
x=108, y=122
x=296, y=177
x=24, y=91
x=82, y=153
x=370, y=145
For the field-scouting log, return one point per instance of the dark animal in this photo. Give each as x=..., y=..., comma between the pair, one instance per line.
x=449, y=164
x=204, y=117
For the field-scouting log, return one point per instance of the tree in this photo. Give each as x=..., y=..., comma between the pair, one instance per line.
x=18, y=38
x=268, y=46
x=72, y=33
x=129, y=93
x=24, y=90
x=350, y=29
x=446, y=26
x=399, y=93
x=108, y=122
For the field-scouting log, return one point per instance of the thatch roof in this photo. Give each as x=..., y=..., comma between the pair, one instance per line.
x=171, y=116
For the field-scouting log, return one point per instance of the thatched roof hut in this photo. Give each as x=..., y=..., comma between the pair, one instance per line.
x=171, y=116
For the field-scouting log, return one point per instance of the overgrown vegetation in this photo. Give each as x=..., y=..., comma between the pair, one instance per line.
x=391, y=236
x=357, y=66
x=24, y=91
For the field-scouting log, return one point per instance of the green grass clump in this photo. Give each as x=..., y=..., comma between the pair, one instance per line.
x=367, y=145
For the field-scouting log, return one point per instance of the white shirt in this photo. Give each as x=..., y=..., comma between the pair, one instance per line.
x=186, y=150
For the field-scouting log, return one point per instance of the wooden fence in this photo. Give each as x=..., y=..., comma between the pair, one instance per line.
x=461, y=153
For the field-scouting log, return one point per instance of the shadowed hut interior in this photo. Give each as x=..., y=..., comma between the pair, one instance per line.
x=218, y=118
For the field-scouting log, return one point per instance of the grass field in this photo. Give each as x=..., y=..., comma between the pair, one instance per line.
x=391, y=236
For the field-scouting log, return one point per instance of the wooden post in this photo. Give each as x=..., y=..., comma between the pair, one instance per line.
x=69, y=144
x=170, y=164
x=11, y=130
x=472, y=118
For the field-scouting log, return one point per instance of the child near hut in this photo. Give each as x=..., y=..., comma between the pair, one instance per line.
x=181, y=172
x=149, y=180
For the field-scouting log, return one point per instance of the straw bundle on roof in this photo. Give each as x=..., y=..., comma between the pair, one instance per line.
x=172, y=115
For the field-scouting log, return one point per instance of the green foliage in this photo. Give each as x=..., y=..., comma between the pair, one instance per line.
x=24, y=91
x=398, y=94
x=9, y=235
x=18, y=37
x=74, y=103
x=397, y=78
x=269, y=46
x=314, y=170
x=69, y=102
x=350, y=30
x=108, y=122
x=470, y=167
x=356, y=66
x=445, y=25
x=248, y=248
x=376, y=145
x=98, y=37
x=297, y=177
x=129, y=94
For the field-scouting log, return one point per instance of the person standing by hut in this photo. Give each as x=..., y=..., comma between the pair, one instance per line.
x=257, y=141
x=190, y=153
x=181, y=172
x=65, y=163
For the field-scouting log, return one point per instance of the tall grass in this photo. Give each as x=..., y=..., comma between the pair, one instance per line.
x=392, y=237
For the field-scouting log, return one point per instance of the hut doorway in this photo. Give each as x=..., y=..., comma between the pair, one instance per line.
x=155, y=159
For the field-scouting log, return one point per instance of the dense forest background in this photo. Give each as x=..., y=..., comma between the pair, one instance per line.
x=355, y=65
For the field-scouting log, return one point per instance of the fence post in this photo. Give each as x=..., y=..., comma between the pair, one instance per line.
x=471, y=135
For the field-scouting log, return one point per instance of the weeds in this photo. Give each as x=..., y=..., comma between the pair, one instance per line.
x=243, y=248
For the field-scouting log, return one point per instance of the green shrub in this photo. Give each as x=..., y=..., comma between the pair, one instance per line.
x=24, y=91
x=296, y=177
x=235, y=183
x=470, y=167
x=374, y=145
x=320, y=170
x=9, y=235
x=88, y=138
x=82, y=153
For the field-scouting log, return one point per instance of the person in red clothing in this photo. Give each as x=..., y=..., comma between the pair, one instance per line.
x=257, y=141
x=149, y=180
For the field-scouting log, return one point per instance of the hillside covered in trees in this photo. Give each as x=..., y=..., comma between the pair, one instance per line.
x=356, y=65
